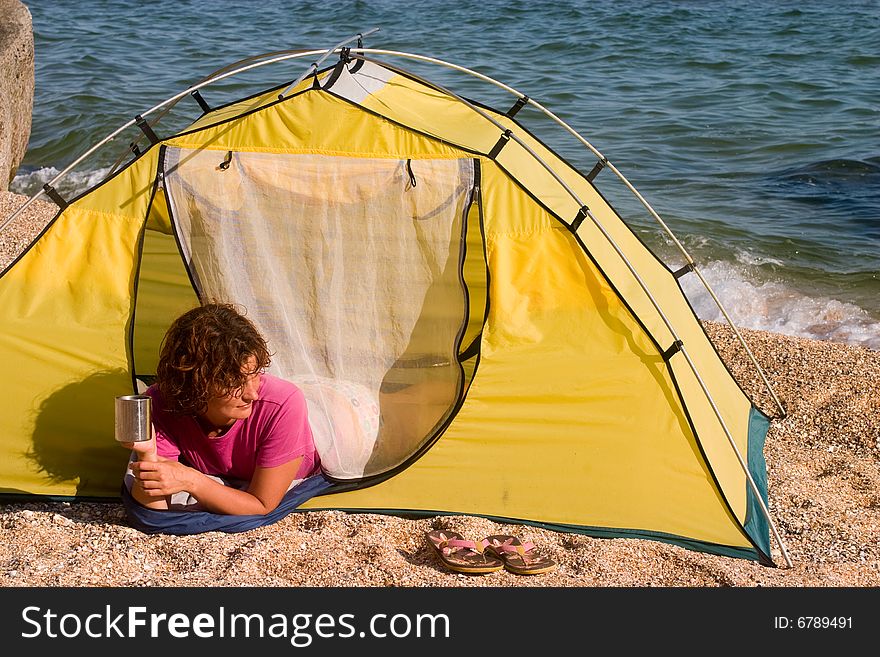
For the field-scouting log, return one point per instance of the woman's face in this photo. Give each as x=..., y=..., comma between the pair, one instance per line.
x=237, y=405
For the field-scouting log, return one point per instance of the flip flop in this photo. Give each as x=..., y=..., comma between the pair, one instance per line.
x=460, y=555
x=520, y=558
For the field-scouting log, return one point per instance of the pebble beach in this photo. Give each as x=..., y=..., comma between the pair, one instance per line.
x=823, y=485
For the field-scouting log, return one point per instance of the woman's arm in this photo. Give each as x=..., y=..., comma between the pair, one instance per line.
x=164, y=478
x=146, y=451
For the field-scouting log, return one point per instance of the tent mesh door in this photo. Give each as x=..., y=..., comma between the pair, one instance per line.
x=351, y=269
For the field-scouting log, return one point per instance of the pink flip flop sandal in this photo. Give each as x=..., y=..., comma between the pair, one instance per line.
x=460, y=555
x=520, y=558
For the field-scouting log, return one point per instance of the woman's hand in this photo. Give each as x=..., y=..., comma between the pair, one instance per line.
x=145, y=449
x=163, y=478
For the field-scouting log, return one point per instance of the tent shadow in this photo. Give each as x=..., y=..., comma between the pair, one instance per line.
x=73, y=435
x=653, y=361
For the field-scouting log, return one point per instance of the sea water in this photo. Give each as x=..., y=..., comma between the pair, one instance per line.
x=753, y=129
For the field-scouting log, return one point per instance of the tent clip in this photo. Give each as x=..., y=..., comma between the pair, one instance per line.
x=146, y=129
x=596, y=169
x=505, y=137
x=579, y=219
x=135, y=149
x=52, y=193
x=689, y=267
x=412, y=176
x=226, y=161
x=344, y=59
x=674, y=349
x=201, y=101
x=358, y=63
x=517, y=106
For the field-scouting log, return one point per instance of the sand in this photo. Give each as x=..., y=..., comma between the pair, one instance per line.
x=823, y=485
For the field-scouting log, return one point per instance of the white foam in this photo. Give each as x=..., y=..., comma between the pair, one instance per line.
x=775, y=306
x=72, y=185
x=753, y=259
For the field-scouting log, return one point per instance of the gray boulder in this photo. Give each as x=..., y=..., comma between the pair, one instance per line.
x=16, y=86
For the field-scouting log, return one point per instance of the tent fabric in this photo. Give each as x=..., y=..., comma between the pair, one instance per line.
x=379, y=227
x=151, y=521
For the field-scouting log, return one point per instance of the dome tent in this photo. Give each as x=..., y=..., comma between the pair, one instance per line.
x=476, y=329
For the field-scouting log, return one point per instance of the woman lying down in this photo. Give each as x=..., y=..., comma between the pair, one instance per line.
x=229, y=439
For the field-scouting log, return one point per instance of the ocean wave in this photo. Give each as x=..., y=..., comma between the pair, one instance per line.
x=778, y=307
x=834, y=171
x=753, y=259
x=29, y=182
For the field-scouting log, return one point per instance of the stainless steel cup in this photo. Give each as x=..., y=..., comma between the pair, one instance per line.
x=134, y=418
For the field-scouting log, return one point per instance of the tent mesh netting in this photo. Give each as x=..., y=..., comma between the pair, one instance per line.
x=354, y=266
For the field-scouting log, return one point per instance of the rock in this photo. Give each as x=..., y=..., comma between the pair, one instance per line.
x=61, y=520
x=16, y=86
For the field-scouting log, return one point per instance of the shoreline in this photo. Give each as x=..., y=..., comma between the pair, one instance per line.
x=823, y=485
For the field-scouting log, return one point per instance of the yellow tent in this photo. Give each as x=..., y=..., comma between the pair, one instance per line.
x=523, y=355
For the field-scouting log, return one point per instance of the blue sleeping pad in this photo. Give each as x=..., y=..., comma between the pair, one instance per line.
x=151, y=521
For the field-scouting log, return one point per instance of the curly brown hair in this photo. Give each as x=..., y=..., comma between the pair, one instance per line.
x=204, y=354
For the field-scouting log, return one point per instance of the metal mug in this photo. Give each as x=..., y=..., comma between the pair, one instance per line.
x=134, y=418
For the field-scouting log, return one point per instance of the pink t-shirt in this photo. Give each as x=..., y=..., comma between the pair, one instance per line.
x=276, y=432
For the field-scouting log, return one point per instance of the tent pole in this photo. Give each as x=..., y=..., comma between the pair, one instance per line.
x=656, y=305
x=297, y=54
x=209, y=77
x=689, y=260
x=624, y=180
x=314, y=65
x=742, y=462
